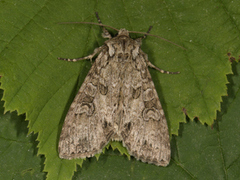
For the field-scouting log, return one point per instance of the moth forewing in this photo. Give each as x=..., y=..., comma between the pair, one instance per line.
x=117, y=101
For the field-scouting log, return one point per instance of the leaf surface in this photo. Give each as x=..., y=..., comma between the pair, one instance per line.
x=36, y=83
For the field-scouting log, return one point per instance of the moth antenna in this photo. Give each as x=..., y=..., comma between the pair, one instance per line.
x=137, y=32
x=147, y=34
x=98, y=24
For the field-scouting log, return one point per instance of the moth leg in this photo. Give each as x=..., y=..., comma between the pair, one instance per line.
x=149, y=63
x=105, y=33
x=155, y=67
x=96, y=51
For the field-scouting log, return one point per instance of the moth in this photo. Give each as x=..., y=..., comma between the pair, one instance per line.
x=117, y=101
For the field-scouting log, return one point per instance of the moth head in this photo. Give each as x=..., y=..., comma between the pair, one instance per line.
x=123, y=32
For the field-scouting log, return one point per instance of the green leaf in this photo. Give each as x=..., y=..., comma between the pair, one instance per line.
x=18, y=157
x=38, y=84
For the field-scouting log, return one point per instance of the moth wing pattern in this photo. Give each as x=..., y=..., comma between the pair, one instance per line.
x=144, y=128
x=117, y=101
x=88, y=126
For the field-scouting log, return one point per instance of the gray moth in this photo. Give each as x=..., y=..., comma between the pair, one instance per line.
x=117, y=101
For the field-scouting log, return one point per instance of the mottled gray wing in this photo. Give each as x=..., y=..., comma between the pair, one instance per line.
x=144, y=129
x=88, y=126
